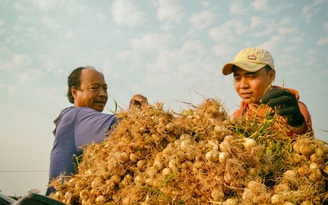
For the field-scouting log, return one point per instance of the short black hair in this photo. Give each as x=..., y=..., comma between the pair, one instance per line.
x=74, y=80
x=267, y=68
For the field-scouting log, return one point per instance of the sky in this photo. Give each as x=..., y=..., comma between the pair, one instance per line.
x=171, y=51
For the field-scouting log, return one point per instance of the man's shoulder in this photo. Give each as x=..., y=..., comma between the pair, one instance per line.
x=89, y=115
x=82, y=114
x=82, y=111
x=86, y=110
x=292, y=90
x=73, y=109
x=71, y=112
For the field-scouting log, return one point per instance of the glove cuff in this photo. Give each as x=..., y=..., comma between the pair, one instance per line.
x=296, y=121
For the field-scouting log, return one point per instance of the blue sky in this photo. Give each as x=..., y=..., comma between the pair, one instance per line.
x=171, y=51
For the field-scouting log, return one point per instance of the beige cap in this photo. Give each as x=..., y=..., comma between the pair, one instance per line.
x=250, y=59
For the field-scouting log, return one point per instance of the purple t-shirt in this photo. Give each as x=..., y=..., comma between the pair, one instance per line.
x=76, y=127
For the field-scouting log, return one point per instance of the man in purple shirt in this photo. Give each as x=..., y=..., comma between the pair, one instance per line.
x=82, y=123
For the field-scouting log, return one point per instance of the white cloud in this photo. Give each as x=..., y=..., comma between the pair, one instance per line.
x=4, y=50
x=165, y=60
x=223, y=50
x=50, y=23
x=205, y=4
x=23, y=19
x=297, y=39
x=48, y=5
x=126, y=13
x=151, y=42
x=311, y=9
x=286, y=30
x=269, y=27
x=322, y=41
x=325, y=27
x=277, y=9
x=184, y=65
x=221, y=33
x=53, y=92
x=286, y=21
x=311, y=57
x=70, y=35
x=170, y=11
x=260, y=5
x=109, y=68
x=193, y=47
x=237, y=8
x=264, y=31
x=29, y=7
x=45, y=5
x=272, y=44
x=156, y=80
x=29, y=75
x=182, y=69
x=310, y=53
x=126, y=55
x=286, y=27
x=7, y=88
x=239, y=27
x=202, y=19
x=228, y=31
x=32, y=31
x=325, y=72
x=21, y=66
x=257, y=21
x=50, y=64
x=17, y=62
x=16, y=41
x=2, y=22
x=20, y=7
x=100, y=17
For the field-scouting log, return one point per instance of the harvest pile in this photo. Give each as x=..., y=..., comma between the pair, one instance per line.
x=198, y=156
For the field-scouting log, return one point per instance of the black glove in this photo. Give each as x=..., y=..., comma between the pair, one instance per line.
x=138, y=101
x=286, y=103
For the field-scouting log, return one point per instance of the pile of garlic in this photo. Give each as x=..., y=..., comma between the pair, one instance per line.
x=199, y=156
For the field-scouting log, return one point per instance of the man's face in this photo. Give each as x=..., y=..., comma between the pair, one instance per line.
x=250, y=86
x=92, y=92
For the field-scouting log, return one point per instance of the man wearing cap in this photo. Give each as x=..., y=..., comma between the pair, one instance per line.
x=254, y=72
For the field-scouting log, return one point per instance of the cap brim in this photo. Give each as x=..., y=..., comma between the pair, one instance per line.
x=245, y=65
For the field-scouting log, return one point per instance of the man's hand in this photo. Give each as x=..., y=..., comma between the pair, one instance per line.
x=138, y=101
x=286, y=104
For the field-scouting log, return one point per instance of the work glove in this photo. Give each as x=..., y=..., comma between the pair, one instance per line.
x=286, y=104
x=138, y=101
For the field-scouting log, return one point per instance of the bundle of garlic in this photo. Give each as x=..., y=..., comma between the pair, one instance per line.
x=199, y=156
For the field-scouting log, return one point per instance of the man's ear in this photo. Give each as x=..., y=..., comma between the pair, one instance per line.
x=73, y=91
x=272, y=75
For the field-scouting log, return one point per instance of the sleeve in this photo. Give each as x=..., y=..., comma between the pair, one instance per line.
x=91, y=126
x=305, y=112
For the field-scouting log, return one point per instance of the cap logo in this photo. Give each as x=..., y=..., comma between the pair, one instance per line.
x=252, y=57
